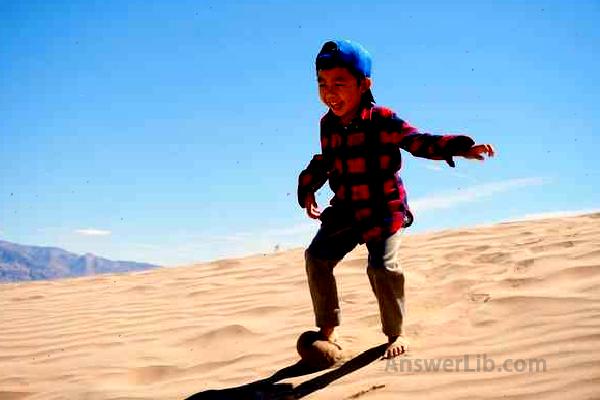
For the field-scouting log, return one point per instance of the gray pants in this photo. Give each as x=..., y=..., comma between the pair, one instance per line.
x=333, y=241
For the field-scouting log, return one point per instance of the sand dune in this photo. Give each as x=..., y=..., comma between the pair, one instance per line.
x=520, y=291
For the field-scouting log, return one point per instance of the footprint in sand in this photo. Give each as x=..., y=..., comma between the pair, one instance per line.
x=479, y=297
x=493, y=258
x=456, y=255
x=523, y=265
x=516, y=282
x=543, y=248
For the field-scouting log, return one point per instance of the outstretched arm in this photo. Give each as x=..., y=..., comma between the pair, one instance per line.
x=435, y=147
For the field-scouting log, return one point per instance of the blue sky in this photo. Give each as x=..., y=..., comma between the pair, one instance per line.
x=173, y=132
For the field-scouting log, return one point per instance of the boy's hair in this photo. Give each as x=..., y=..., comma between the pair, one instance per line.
x=347, y=54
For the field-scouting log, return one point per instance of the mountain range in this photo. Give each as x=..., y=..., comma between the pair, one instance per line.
x=31, y=263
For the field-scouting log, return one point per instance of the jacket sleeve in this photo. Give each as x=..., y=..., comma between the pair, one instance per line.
x=426, y=145
x=312, y=177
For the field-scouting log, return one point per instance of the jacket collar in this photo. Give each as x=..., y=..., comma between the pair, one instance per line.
x=363, y=114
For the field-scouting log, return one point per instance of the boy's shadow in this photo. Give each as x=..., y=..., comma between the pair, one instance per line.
x=269, y=389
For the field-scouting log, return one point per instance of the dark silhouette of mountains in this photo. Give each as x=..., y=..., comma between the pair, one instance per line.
x=32, y=263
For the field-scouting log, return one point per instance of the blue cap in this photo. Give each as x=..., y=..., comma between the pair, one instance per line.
x=345, y=53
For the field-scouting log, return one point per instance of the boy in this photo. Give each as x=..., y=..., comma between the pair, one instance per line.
x=360, y=157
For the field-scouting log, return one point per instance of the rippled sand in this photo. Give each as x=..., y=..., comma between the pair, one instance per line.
x=512, y=292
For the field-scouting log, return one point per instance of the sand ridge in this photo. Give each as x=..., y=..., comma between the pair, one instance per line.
x=524, y=290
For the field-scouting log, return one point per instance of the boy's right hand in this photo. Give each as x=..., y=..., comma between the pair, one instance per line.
x=311, y=206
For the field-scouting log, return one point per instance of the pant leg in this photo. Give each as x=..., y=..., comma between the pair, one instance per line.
x=387, y=281
x=333, y=241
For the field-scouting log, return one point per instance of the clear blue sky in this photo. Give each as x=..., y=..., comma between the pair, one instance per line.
x=173, y=131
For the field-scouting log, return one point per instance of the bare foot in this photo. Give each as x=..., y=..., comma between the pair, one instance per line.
x=397, y=345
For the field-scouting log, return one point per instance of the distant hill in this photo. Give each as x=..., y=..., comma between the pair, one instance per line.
x=32, y=263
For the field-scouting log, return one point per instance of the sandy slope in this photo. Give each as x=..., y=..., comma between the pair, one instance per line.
x=520, y=290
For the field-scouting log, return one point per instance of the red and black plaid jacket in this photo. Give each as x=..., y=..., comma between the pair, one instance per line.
x=361, y=162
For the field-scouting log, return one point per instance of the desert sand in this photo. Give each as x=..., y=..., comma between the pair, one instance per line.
x=520, y=291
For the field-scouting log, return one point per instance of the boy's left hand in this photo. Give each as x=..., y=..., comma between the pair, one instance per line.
x=476, y=151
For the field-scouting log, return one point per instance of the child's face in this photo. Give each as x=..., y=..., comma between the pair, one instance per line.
x=341, y=91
